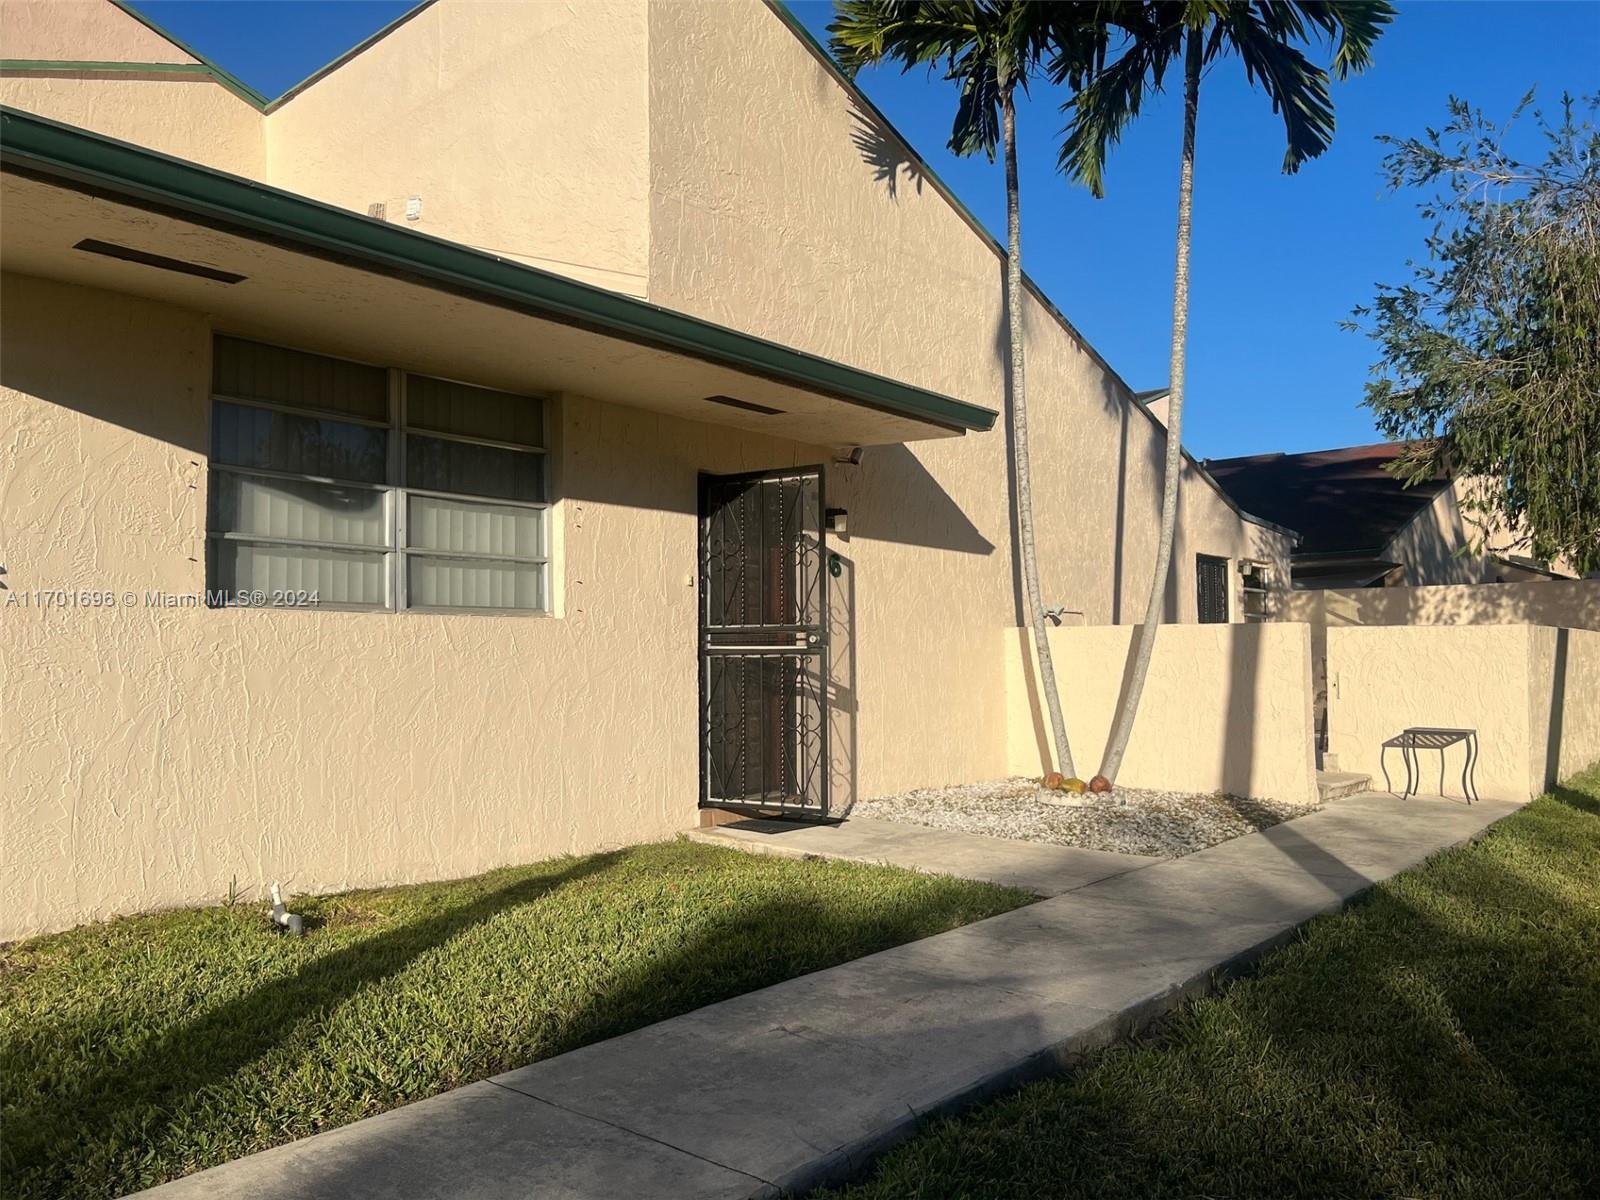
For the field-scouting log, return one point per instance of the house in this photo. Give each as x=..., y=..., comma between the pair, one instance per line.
x=534, y=428
x=1362, y=527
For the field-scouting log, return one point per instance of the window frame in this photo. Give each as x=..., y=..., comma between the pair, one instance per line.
x=396, y=490
x=400, y=500
x=1257, y=569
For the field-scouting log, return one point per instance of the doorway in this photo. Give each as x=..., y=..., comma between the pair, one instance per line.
x=764, y=643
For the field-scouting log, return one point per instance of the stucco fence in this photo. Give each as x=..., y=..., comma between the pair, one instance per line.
x=1569, y=603
x=1225, y=707
x=1531, y=691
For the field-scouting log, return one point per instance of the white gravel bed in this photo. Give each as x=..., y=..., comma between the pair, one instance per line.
x=1130, y=821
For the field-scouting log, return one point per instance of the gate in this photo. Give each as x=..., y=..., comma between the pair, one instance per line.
x=764, y=643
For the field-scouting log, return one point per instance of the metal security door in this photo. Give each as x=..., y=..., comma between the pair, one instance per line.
x=764, y=642
x=1211, y=589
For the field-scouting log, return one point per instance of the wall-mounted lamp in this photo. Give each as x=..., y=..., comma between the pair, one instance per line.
x=838, y=521
x=848, y=456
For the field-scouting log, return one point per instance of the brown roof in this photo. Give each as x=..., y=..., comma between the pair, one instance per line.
x=1341, y=501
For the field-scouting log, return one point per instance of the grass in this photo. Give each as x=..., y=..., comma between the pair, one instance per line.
x=142, y=1049
x=1441, y=1039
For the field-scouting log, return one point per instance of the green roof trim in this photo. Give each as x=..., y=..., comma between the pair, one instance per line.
x=197, y=70
x=92, y=162
x=334, y=64
x=235, y=85
x=203, y=68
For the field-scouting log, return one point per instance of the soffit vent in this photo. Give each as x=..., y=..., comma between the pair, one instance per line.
x=746, y=405
x=159, y=261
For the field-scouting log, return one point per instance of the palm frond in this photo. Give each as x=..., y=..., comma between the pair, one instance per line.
x=1355, y=25
x=1297, y=87
x=1097, y=116
x=987, y=48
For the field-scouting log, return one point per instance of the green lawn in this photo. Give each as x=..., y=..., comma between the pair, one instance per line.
x=145, y=1048
x=1440, y=1039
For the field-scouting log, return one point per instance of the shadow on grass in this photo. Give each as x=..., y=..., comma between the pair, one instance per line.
x=1442, y=1038
x=1582, y=801
x=315, y=1043
x=130, y=1099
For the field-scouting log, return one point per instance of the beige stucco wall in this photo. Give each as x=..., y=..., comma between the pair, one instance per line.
x=793, y=214
x=733, y=179
x=1456, y=540
x=797, y=182
x=191, y=117
x=1570, y=602
x=1572, y=712
x=81, y=30
x=1224, y=708
x=1535, y=723
x=1434, y=546
x=153, y=754
x=522, y=127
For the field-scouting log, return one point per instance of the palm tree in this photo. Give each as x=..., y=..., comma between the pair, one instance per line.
x=989, y=49
x=1262, y=33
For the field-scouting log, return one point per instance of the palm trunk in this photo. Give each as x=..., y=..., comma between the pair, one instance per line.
x=1019, y=441
x=1145, y=638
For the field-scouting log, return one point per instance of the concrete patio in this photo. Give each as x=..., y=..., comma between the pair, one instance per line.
x=803, y=1083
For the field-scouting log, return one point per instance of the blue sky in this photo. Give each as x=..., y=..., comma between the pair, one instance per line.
x=1278, y=260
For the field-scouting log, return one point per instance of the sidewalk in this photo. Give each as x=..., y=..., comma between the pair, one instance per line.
x=804, y=1082
x=1038, y=867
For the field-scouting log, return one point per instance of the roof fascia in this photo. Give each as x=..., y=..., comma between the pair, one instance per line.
x=135, y=174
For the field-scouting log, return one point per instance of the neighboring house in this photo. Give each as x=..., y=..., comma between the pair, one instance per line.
x=1362, y=527
x=622, y=387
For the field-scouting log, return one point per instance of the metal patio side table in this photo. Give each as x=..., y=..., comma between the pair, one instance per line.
x=1429, y=737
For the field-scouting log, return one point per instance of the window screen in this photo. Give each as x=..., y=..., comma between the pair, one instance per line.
x=342, y=485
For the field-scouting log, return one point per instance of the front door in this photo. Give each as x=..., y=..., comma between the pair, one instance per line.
x=764, y=643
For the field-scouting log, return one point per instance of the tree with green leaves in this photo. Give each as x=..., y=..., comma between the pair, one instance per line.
x=989, y=49
x=1490, y=356
x=1265, y=36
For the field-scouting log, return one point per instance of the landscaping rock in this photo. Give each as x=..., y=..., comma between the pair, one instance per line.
x=1128, y=821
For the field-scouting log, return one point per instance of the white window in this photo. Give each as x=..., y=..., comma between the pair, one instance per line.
x=362, y=487
x=1255, y=579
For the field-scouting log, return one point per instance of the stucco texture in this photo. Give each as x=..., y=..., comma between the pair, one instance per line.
x=153, y=755
x=1574, y=603
x=1458, y=539
x=190, y=116
x=714, y=165
x=793, y=213
x=84, y=30
x=1530, y=691
x=1225, y=707
x=522, y=128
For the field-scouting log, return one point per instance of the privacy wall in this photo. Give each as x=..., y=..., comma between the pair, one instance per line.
x=1574, y=603
x=1225, y=707
x=1532, y=692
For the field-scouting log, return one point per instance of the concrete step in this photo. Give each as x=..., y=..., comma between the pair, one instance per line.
x=1331, y=785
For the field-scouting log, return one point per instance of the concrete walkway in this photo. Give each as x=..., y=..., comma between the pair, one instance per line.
x=804, y=1082
x=1038, y=867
